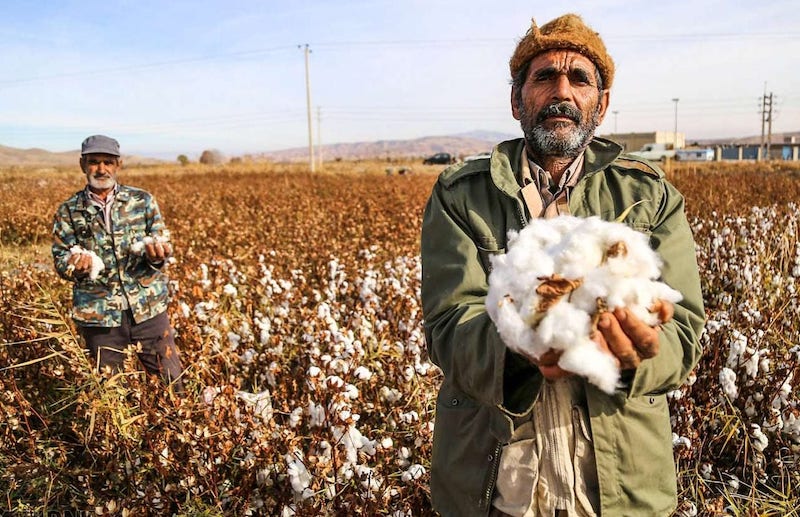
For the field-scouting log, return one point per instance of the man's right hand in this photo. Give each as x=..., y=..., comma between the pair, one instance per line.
x=81, y=264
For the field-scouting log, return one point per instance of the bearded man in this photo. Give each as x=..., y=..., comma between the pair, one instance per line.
x=521, y=436
x=111, y=242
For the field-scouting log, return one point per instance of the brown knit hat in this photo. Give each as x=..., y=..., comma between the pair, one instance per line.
x=565, y=32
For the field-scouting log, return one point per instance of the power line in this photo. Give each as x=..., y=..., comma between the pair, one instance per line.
x=425, y=43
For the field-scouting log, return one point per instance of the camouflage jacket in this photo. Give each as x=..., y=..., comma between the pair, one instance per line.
x=100, y=302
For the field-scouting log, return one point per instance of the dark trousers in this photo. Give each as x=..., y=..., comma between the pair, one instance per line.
x=159, y=355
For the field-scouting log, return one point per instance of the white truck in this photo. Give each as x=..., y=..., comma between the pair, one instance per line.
x=655, y=152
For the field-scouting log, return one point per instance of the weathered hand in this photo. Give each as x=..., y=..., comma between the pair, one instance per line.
x=629, y=338
x=81, y=263
x=157, y=251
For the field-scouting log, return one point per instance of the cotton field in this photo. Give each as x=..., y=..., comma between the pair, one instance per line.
x=296, y=305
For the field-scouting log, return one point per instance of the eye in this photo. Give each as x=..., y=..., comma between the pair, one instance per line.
x=545, y=75
x=580, y=77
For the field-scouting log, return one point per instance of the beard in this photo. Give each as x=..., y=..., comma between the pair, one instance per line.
x=552, y=142
x=102, y=182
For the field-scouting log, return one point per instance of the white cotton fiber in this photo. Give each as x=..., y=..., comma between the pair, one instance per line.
x=138, y=246
x=580, y=261
x=97, y=262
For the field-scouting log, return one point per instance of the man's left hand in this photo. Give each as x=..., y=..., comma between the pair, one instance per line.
x=157, y=251
x=630, y=339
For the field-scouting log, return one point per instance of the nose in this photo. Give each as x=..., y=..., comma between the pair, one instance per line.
x=562, y=88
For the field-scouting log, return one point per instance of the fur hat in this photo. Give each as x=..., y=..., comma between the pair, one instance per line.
x=565, y=32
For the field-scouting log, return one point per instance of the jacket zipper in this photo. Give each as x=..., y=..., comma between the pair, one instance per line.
x=487, y=496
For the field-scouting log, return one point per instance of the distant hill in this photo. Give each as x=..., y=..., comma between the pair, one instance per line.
x=460, y=145
x=14, y=157
x=11, y=156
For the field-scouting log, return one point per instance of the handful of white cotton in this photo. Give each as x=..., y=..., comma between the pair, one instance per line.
x=558, y=274
x=138, y=246
x=97, y=262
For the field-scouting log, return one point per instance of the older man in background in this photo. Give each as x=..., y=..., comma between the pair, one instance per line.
x=110, y=241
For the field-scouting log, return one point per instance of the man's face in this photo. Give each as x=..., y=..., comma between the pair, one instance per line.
x=101, y=171
x=559, y=106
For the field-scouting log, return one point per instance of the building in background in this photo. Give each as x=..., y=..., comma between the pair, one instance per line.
x=635, y=141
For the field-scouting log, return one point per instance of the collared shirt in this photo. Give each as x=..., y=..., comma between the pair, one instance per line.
x=103, y=204
x=542, y=197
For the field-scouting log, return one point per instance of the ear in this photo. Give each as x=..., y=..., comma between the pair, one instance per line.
x=605, y=99
x=81, y=164
x=514, y=107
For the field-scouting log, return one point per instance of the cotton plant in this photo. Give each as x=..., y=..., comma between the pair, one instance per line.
x=97, y=262
x=547, y=291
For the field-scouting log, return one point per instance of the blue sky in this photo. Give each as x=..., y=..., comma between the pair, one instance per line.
x=178, y=77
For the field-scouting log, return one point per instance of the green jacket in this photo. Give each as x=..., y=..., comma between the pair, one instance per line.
x=99, y=302
x=470, y=211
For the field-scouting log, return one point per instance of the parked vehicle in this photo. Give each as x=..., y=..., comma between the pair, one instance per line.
x=477, y=156
x=656, y=152
x=694, y=155
x=439, y=159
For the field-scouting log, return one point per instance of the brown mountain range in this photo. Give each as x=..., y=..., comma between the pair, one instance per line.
x=35, y=157
x=460, y=145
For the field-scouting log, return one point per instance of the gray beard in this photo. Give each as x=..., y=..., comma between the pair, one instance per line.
x=102, y=184
x=545, y=142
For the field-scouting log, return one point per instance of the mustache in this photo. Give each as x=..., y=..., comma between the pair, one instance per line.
x=563, y=109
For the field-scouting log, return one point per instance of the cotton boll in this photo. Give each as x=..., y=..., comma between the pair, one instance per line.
x=554, y=332
x=138, y=246
x=638, y=295
x=557, y=274
x=637, y=260
x=579, y=252
x=587, y=359
x=512, y=328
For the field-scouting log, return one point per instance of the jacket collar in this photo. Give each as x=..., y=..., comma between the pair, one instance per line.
x=84, y=203
x=507, y=159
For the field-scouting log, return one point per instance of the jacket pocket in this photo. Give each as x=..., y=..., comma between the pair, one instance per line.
x=645, y=444
x=487, y=248
x=464, y=454
x=517, y=476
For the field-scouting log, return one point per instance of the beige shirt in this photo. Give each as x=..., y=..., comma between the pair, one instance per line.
x=549, y=463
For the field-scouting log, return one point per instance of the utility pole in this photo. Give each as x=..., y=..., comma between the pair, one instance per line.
x=675, y=133
x=763, y=122
x=766, y=120
x=769, y=126
x=615, y=112
x=319, y=137
x=308, y=109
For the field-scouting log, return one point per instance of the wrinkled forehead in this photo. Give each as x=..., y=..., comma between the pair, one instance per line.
x=561, y=60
